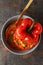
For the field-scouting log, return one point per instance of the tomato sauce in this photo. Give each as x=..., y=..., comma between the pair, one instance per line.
x=9, y=34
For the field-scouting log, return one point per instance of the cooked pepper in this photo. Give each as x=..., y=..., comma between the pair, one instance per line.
x=32, y=37
x=20, y=37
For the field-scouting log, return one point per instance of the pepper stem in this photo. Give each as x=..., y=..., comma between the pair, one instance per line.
x=31, y=26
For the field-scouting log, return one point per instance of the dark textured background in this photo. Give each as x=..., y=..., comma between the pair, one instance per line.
x=9, y=8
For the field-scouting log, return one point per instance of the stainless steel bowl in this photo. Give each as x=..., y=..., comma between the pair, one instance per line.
x=6, y=44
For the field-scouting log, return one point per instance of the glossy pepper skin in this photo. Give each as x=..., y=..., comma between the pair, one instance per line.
x=30, y=38
x=21, y=30
x=37, y=28
x=24, y=40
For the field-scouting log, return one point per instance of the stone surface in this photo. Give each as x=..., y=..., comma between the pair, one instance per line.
x=9, y=8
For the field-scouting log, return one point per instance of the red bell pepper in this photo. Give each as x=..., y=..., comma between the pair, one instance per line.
x=31, y=38
x=21, y=37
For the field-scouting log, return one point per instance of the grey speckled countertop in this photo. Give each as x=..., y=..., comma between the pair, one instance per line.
x=9, y=8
